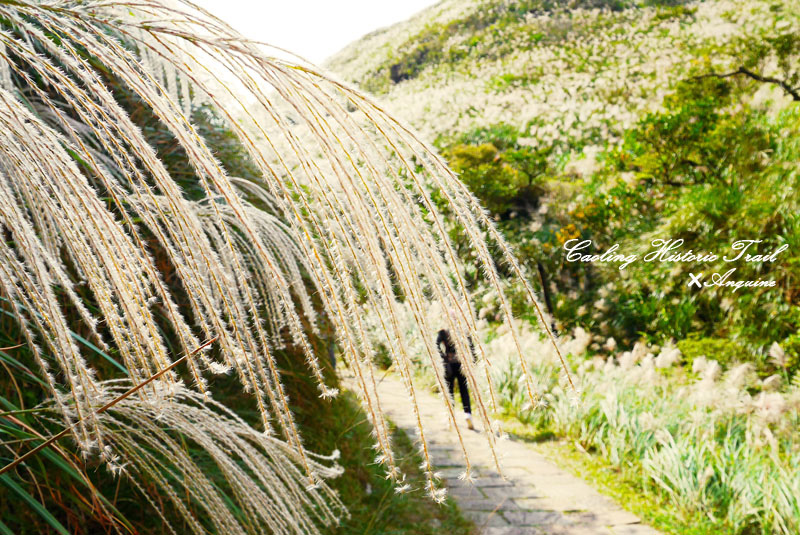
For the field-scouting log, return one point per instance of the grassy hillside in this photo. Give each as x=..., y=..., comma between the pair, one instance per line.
x=619, y=122
x=622, y=123
x=582, y=70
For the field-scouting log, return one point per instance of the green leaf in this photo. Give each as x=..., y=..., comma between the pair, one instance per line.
x=35, y=505
x=77, y=337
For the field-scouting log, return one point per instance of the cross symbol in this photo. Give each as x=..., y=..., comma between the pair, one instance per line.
x=695, y=279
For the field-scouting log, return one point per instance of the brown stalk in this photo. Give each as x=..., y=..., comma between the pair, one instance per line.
x=794, y=92
x=105, y=407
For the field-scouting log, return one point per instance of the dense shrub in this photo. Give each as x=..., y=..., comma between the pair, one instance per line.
x=722, y=350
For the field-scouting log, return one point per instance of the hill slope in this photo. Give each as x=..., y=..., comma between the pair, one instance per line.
x=619, y=122
x=584, y=68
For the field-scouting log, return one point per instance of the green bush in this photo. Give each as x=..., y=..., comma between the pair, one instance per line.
x=791, y=347
x=487, y=175
x=724, y=351
x=708, y=169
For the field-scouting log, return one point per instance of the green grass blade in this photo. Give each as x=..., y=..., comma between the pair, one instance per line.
x=100, y=352
x=14, y=362
x=62, y=464
x=35, y=505
x=80, y=339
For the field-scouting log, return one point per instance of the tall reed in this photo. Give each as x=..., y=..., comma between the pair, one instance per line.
x=86, y=205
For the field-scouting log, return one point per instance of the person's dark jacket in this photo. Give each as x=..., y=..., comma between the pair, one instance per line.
x=449, y=353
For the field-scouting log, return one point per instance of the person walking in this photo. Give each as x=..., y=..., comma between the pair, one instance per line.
x=452, y=372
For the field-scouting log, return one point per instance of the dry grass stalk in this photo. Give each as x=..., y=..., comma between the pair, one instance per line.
x=350, y=186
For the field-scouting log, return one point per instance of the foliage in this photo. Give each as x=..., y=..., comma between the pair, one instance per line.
x=698, y=172
x=713, y=167
x=556, y=71
x=722, y=350
x=484, y=171
x=664, y=120
x=633, y=129
x=435, y=45
x=698, y=442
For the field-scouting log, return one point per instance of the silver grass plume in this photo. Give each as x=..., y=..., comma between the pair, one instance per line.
x=353, y=220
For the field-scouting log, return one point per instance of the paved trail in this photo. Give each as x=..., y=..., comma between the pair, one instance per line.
x=537, y=497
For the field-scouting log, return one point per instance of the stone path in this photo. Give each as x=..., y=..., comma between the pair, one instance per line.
x=536, y=498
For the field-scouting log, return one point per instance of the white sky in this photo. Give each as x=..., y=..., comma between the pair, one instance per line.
x=313, y=29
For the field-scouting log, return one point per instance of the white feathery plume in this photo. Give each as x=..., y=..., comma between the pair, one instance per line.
x=353, y=224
